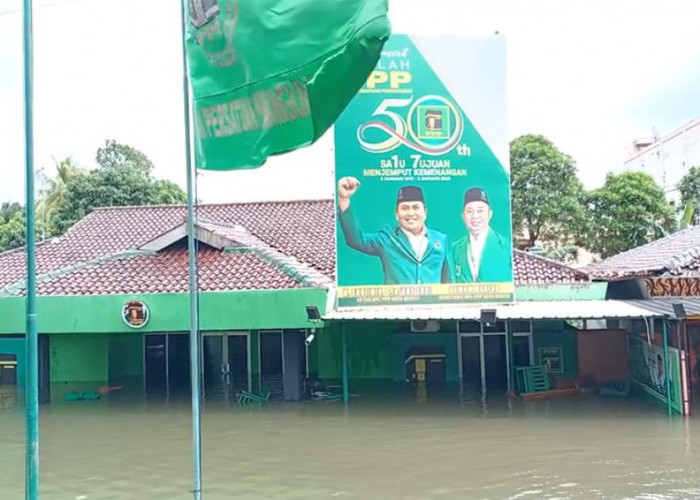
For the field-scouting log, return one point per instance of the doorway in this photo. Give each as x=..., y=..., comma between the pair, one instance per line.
x=496, y=361
x=271, y=365
x=8, y=370
x=485, y=362
x=166, y=365
x=226, y=362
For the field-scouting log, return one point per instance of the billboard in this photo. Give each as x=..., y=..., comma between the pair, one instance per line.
x=422, y=177
x=649, y=371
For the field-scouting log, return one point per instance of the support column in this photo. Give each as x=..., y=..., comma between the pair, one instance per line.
x=291, y=361
x=509, y=356
x=346, y=377
x=667, y=366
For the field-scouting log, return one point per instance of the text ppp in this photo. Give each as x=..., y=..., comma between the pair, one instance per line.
x=394, y=79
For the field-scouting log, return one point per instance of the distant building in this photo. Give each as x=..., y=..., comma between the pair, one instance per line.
x=667, y=158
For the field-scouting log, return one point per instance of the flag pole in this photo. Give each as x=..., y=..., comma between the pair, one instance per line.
x=31, y=486
x=192, y=259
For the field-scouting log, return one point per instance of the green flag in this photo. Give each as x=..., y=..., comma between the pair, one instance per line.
x=270, y=76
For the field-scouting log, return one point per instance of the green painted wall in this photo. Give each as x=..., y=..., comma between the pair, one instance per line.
x=447, y=341
x=376, y=350
x=79, y=359
x=15, y=346
x=580, y=291
x=260, y=309
x=557, y=334
x=369, y=350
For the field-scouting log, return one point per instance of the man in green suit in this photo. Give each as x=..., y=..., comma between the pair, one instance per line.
x=482, y=255
x=410, y=253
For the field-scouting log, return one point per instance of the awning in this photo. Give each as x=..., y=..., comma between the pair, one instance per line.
x=664, y=305
x=565, y=309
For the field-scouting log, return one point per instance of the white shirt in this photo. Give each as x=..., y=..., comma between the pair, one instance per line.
x=474, y=251
x=419, y=242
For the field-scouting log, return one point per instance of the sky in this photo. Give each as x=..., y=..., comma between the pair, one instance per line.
x=591, y=75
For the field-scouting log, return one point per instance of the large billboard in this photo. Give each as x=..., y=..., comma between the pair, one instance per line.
x=422, y=177
x=649, y=371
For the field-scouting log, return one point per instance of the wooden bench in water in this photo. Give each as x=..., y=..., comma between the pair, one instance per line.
x=246, y=397
x=554, y=393
x=535, y=384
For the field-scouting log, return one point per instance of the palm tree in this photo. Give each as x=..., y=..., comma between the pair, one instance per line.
x=52, y=195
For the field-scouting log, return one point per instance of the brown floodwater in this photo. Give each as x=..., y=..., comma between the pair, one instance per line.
x=581, y=447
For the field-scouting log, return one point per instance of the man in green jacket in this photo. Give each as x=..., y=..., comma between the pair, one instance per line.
x=410, y=253
x=482, y=255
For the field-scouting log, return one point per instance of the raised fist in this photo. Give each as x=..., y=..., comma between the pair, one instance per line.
x=347, y=187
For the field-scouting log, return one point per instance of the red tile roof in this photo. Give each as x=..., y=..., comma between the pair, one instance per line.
x=100, y=253
x=675, y=255
x=167, y=271
x=532, y=269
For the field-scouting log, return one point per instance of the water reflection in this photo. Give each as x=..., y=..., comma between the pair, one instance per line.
x=581, y=447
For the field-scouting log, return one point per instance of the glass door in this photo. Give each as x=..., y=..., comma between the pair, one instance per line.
x=155, y=365
x=215, y=368
x=226, y=365
x=470, y=350
x=237, y=361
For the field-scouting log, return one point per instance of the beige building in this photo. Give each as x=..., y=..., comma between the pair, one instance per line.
x=667, y=157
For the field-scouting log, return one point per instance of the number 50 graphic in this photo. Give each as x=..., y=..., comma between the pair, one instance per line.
x=433, y=125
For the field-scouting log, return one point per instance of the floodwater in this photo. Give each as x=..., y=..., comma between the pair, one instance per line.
x=580, y=447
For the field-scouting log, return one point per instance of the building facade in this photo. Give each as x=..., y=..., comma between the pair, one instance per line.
x=114, y=315
x=663, y=276
x=667, y=158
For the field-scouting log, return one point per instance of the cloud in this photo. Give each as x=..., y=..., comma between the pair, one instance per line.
x=589, y=74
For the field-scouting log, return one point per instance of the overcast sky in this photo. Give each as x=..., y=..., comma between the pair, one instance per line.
x=591, y=75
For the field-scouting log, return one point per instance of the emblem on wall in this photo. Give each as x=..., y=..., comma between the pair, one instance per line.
x=135, y=314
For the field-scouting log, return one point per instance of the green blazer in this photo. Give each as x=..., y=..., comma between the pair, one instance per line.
x=400, y=265
x=496, y=260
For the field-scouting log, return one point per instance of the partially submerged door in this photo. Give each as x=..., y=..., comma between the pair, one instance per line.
x=226, y=365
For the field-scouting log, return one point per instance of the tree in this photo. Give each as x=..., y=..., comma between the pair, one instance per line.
x=548, y=198
x=124, y=177
x=116, y=155
x=13, y=231
x=11, y=226
x=52, y=198
x=689, y=186
x=629, y=210
x=8, y=210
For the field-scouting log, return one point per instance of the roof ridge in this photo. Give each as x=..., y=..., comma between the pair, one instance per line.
x=285, y=263
x=553, y=262
x=23, y=247
x=658, y=242
x=202, y=205
x=675, y=263
x=13, y=288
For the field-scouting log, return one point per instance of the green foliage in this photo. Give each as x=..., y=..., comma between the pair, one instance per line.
x=566, y=254
x=52, y=198
x=629, y=210
x=8, y=210
x=687, y=216
x=689, y=187
x=12, y=226
x=548, y=198
x=124, y=177
x=116, y=155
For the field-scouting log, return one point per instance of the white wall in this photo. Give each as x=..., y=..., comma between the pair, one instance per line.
x=669, y=158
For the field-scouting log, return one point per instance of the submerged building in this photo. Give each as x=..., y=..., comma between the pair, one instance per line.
x=114, y=314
